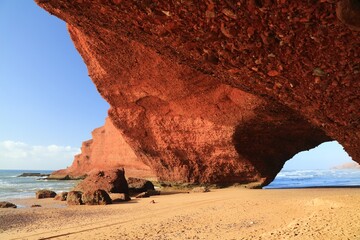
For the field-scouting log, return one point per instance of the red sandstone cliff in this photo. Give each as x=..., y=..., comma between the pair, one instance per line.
x=106, y=150
x=223, y=91
x=349, y=165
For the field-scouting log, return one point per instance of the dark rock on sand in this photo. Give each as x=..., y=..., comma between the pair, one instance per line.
x=61, y=196
x=74, y=198
x=7, y=205
x=120, y=197
x=97, y=197
x=44, y=193
x=138, y=185
x=35, y=205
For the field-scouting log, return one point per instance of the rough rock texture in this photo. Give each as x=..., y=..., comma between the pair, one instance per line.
x=221, y=91
x=97, y=197
x=74, y=198
x=44, y=193
x=138, y=185
x=106, y=150
x=7, y=205
x=112, y=181
x=120, y=197
x=348, y=11
x=61, y=196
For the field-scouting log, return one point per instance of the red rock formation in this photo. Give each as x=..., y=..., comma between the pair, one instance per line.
x=106, y=150
x=112, y=181
x=223, y=91
x=349, y=165
x=97, y=197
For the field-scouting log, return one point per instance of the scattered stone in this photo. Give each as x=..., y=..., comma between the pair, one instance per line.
x=7, y=205
x=200, y=189
x=152, y=201
x=35, y=205
x=61, y=196
x=97, y=197
x=74, y=198
x=138, y=185
x=44, y=193
x=112, y=181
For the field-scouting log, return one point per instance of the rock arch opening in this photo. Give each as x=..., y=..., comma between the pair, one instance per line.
x=327, y=165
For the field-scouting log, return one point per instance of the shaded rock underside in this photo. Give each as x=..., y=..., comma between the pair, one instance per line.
x=221, y=91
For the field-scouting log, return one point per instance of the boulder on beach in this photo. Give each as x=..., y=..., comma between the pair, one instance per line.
x=120, y=197
x=74, y=198
x=97, y=197
x=112, y=181
x=61, y=196
x=138, y=185
x=7, y=205
x=44, y=193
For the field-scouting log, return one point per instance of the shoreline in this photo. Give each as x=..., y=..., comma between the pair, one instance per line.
x=230, y=213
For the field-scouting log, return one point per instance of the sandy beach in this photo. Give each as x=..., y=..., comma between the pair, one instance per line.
x=232, y=213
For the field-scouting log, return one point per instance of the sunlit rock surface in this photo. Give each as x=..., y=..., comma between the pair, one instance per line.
x=221, y=91
x=106, y=150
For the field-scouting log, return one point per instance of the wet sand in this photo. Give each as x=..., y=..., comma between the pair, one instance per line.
x=232, y=213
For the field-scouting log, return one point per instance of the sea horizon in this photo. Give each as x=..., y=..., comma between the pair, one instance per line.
x=12, y=186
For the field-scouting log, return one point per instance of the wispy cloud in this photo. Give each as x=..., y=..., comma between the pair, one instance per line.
x=20, y=155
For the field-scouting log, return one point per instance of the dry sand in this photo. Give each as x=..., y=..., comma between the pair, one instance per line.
x=232, y=213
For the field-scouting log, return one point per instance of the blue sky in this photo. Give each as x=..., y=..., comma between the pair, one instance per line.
x=47, y=100
x=48, y=104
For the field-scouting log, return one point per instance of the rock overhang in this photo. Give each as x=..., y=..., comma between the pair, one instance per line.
x=221, y=91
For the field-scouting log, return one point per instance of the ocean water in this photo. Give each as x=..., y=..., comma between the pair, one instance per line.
x=316, y=178
x=12, y=186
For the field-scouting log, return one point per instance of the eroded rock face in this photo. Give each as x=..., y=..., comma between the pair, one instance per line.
x=112, y=181
x=106, y=150
x=44, y=193
x=61, y=196
x=223, y=91
x=74, y=198
x=97, y=197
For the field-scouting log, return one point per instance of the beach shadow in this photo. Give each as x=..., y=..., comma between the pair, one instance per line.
x=132, y=201
x=173, y=192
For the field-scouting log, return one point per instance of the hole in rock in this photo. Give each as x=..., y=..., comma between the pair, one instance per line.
x=327, y=165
